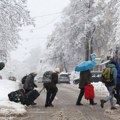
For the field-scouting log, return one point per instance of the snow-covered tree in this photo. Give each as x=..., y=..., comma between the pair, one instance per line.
x=13, y=15
x=71, y=37
x=87, y=26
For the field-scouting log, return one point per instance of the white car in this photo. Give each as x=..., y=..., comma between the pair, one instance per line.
x=64, y=78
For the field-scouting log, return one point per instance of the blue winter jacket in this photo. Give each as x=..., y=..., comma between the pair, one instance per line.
x=118, y=71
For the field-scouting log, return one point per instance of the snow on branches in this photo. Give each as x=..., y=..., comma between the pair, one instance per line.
x=13, y=15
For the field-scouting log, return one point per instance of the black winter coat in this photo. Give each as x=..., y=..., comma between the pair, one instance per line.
x=85, y=77
x=53, y=82
x=29, y=83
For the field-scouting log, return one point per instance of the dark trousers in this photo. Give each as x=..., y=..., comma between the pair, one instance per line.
x=81, y=95
x=117, y=93
x=51, y=93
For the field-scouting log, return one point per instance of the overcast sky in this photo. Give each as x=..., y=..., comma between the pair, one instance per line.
x=46, y=13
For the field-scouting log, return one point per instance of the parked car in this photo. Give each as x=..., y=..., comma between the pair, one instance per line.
x=76, y=81
x=13, y=78
x=64, y=78
x=0, y=76
x=96, y=77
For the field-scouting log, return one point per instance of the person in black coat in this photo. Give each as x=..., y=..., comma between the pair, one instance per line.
x=52, y=88
x=29, y=82
x=2, y=65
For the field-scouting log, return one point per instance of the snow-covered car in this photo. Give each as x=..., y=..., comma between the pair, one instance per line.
x=64, y=78
x=96, y=77
x=13, y=78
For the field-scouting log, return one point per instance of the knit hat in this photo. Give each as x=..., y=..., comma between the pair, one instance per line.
x=57, y=70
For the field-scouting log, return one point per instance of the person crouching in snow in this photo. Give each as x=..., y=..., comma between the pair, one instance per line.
x=29, y=83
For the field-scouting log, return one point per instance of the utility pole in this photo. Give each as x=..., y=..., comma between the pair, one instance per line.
x=90, y=28
x=91, y=40
x=87, y=54
x=65, y=67
x=88, y=33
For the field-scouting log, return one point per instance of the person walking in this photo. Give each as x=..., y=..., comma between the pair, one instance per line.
x=29, y=82
x=85, y=77
x=110, y=85
x=51, y=88
x=117, y=90
x=2, y=65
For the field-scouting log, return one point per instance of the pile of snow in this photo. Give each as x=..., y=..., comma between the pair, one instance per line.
x=100, y=89
x=8, y=108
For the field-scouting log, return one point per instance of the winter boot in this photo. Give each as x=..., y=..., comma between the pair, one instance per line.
x=79, y=104
x=113, y=108
x=102, y=103
x=92, y=102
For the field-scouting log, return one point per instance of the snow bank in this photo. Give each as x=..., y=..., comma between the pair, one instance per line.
x=8, y=108
x=100, y=89
x=6, y=86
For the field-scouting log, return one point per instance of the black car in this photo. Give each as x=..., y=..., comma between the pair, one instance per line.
x=96, y=77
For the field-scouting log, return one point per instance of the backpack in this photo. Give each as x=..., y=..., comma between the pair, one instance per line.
x=107, y=77
x=47, y=77
x=23, y=79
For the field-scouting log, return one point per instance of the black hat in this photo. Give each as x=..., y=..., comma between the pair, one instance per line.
x=2, y=65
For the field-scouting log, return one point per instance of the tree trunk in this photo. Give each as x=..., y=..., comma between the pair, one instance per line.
x=91, y=46
x=87, y=50
x=87, y=46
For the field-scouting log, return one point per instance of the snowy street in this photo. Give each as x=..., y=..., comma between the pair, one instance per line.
x=59, y=42
x=65, y=108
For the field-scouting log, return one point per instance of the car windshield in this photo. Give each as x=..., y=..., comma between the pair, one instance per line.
x=63, y=75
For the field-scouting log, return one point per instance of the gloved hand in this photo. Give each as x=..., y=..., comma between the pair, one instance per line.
x=114, y=87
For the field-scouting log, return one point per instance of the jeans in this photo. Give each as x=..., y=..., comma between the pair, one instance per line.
x=118, y=93
x=111, y=95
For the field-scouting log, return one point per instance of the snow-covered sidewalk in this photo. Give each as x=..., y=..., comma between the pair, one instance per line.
x=8, y=108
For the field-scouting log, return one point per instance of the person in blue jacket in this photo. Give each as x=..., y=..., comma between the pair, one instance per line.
x=117, y=94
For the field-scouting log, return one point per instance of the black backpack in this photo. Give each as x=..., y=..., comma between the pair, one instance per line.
x=47, y=77
x=23, y=79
